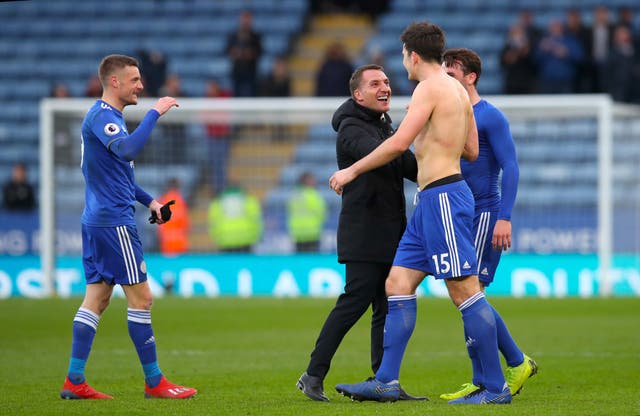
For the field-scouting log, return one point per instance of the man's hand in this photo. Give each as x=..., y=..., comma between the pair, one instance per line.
x=501, y=239
x=340, y=179
x=164, y=104
x=160, y=213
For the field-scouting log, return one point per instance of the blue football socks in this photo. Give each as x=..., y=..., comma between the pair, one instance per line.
x=480, y=331
x=476, y=366
x=398, y=327
x=141, y=333
x=85, y=324
x=506, y=344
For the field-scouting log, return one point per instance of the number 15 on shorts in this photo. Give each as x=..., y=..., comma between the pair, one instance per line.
x=441, y=263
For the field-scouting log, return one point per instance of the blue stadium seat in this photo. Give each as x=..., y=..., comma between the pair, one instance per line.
x=316, y=152
x=291, y=173
x=69, y=176
x=69, y=199
x=275, y=44
x=405, y=6
x=322, y=132
x=292, y=7
x=153, y=179
x=276, y=24
x=276, y=199
x=491, y=84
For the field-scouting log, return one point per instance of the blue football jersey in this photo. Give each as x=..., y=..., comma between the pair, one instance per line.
x=110, y=191
x=497, y=152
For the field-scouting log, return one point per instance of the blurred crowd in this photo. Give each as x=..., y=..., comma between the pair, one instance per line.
x=569, y=56
x=565, y=56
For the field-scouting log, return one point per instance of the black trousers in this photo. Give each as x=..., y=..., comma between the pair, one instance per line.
x=364, y=286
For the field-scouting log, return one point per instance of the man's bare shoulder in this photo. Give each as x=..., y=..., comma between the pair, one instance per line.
x=438, y=84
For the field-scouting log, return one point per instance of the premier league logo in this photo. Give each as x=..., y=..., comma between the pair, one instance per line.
x=111, y=128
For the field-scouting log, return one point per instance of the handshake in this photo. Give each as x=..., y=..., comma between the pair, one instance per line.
x=165, y=212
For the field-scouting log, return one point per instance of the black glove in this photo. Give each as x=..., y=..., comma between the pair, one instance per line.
x=165, y=211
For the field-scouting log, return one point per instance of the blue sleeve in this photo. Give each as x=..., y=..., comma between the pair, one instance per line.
x=143, y=197
x=504, y=150
x=128, y=147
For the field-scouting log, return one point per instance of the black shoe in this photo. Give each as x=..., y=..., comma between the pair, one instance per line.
x=312, y=387
x=406, y=396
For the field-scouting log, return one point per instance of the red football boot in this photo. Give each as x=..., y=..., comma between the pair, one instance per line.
x=167, y=390
x=80, y=391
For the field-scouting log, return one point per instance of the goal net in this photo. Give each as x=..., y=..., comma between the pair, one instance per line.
x=578, y=155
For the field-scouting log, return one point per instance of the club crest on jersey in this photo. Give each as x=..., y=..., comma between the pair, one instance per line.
x=111, y=128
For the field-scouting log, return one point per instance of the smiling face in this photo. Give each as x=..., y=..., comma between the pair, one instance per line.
x=374, y=91
x=128, y=84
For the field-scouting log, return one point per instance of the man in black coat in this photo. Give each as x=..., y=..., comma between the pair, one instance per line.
x=372, y=220
x=244, y=48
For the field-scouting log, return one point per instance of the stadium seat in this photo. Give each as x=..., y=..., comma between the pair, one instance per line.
x=321, y=132
x=49, y=41
x=290, y=174
x=316, y=152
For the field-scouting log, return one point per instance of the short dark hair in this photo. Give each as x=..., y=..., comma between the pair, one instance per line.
x=356, y=77
x=470, y=61
x=111, y=63
x=426, y=39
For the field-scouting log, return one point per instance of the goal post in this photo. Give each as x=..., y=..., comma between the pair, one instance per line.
x=565, y=146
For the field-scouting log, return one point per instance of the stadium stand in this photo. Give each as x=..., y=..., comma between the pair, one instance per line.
x=46, y=42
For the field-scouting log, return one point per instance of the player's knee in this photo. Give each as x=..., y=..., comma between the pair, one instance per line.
x=147, y=303
x=103, y=304
x=97, y=304
x=142, y=302
x=396, y=286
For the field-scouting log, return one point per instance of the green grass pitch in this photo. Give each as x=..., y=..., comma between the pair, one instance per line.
x=245, y=355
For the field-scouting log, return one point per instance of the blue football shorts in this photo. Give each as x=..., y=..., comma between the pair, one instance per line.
x=483, y=224
x=113, y=254
x=438, y=239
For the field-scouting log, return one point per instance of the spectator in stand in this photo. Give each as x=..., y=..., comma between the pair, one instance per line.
x=172, y=148
x=599, y=46
x=244, y=48
x=557, y=57
x=625, y=18
x=153, y=68
x=235, y=220
x=306, y=214
x=575, y=27
x=172, y=85
x=526, y=19
x=278, y=82
x=622, y=65
x=17, y=193
x=372, y=8
x=93, y=88
x=332, y=79
x=517, y=63
x=60, y=90
x=218, y=136
x=173, y=235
